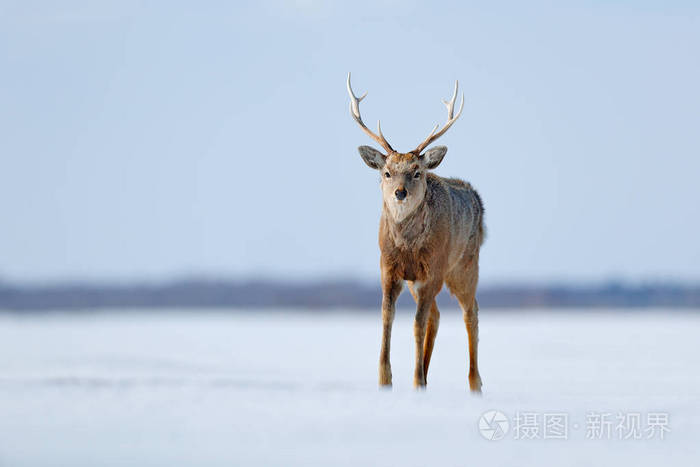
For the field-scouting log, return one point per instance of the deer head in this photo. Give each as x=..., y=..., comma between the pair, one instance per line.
x=403, y=175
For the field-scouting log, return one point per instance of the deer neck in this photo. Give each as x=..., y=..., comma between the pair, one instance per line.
x=410, y=228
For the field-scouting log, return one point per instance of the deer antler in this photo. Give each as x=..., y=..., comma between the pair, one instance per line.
x=355, y=112
x=450, y=120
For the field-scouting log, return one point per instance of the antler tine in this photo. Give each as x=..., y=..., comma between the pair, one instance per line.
x=451, y=105
x=355, y=112
x=434, y=130
x=451, y=118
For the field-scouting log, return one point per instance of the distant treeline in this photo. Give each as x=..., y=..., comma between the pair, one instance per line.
x=335, y=294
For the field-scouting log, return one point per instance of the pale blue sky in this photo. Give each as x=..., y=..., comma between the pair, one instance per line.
x=159, y=139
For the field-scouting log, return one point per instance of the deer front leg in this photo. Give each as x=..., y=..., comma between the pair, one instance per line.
x=426, y=295
x=390, y=291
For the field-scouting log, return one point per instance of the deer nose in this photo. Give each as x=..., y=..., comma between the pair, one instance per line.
x=400, y=193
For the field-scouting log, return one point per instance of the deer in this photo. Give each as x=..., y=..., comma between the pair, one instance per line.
x=430, y=233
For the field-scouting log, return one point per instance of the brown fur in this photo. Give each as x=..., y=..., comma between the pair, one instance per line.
x=437, y=243
x=430, y=233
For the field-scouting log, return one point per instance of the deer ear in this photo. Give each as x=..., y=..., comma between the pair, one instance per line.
x=372, y=157
x=433, y=156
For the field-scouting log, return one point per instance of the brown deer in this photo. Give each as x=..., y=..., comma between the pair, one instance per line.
x=430, y=233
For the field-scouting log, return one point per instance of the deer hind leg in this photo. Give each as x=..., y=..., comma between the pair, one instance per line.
x=471, y=320
x=463, y=285
x=424, y=293
x=430, y=331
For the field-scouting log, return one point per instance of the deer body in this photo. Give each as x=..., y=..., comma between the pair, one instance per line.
x=436, y=236
x=430, y=233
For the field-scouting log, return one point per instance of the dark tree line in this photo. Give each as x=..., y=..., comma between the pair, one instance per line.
x=335, y=294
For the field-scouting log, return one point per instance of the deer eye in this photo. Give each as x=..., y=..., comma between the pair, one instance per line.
x=387, y=174
x=417, y=175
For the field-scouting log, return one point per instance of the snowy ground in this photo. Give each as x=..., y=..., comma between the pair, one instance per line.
x=294, y=388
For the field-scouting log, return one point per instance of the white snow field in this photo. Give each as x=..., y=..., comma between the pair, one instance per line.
x=201, y=388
